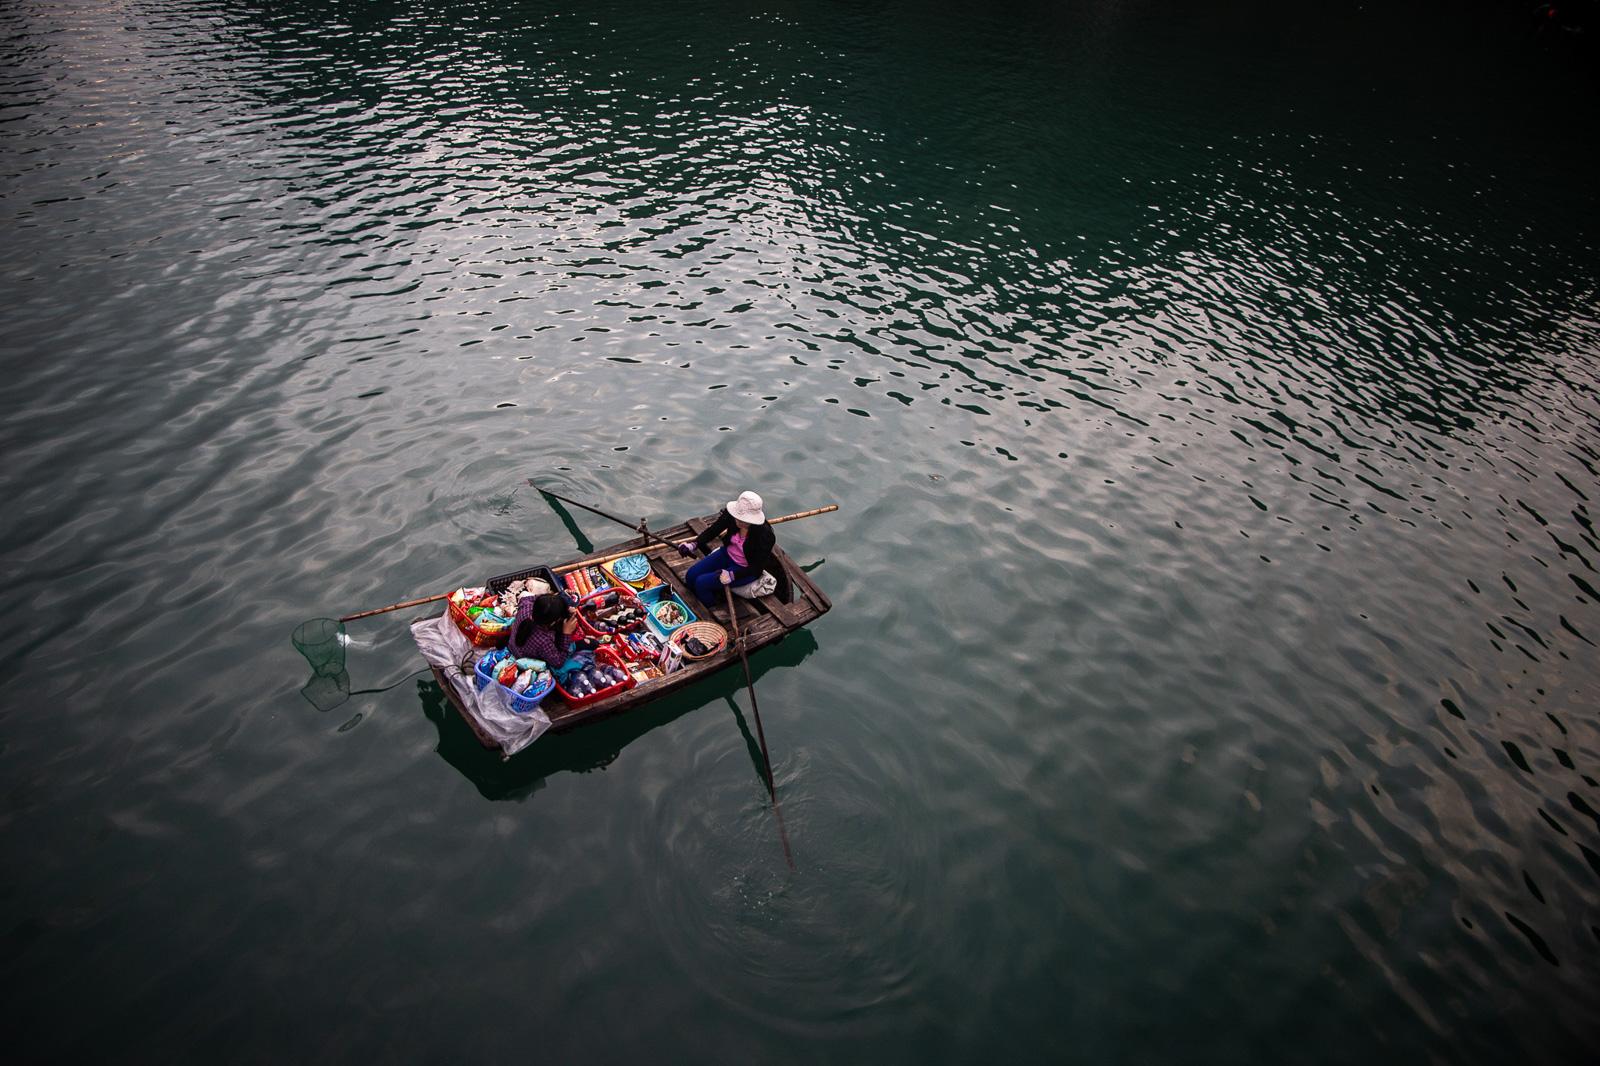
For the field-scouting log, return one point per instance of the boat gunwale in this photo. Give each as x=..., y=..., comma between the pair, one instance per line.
x=761, y=620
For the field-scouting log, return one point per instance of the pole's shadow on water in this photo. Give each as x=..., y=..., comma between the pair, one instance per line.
x=594, y=747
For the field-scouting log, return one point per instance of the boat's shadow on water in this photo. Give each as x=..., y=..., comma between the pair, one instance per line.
x=594, y=747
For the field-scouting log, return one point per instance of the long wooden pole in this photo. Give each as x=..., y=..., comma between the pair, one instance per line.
x=394, y=607
x=619, y=521
x=761, y=734
x=635, y=551
x=586, y=562
x=802, y=514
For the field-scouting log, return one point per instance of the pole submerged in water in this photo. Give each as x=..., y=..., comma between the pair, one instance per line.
x=761, y=734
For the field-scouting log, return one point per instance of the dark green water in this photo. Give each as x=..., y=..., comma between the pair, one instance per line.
x=1209, y=393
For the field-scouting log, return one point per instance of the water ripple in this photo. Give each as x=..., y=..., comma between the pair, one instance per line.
x=1215, y=579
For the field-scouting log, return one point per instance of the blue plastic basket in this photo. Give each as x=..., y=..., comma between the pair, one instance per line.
x=521, y=702
x=651, y=597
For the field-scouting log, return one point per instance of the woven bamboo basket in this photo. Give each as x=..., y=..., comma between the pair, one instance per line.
x=709, y=633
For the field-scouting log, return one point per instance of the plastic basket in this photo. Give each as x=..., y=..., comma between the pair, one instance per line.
x=589, y=627
x=521, y=702
x=710, y=633
x=544, y=573
x=651, y=597
x=620, y=642
x=611, y=658
x=480, y=637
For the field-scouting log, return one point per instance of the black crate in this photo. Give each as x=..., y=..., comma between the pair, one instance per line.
x=498, y=584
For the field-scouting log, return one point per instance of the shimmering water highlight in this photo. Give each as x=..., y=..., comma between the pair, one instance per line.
x=1210, y=398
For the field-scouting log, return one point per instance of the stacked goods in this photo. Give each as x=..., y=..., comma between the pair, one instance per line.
x=642, y=645
x=593, y=678
x=506, y=603
x=586, y=580
x=643, y=671
x=616, y=618
x=475, y=613
x=529, y=680
x=588, y=682
x=613, y=612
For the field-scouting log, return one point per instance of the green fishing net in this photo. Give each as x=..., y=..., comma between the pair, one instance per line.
x=322, y=642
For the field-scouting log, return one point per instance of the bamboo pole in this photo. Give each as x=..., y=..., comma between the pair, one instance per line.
x=574, y=566
x=803, y=514
x=635, y=551
x=394, y=607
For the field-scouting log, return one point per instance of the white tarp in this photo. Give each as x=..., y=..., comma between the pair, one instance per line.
x=445, y=646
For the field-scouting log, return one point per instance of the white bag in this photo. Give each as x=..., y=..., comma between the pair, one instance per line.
x=765, y=585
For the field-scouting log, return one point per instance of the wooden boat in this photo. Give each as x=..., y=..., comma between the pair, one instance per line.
x=762, y=621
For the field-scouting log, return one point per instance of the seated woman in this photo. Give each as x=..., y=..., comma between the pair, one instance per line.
x=746, y=553
x=543, y=628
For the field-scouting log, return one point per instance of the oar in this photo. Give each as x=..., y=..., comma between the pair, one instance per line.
x=667, y=543
x=587, y=562
x=581, y=563
x=733, y=616
x=761, y=734
x=640, y=529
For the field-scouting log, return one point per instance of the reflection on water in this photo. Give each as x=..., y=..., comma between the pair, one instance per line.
x=1209, y=393
x=596, y=746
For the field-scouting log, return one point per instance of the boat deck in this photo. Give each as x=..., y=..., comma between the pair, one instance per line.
x=762, y=621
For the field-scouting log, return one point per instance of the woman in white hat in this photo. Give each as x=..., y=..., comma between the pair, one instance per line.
x=746, y=551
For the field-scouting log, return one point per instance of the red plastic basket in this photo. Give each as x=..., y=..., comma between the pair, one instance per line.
x=610, y=658
x=477, y=635
x=588, y=627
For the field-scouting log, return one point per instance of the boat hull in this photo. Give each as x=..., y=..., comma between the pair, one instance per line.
x=762, y=621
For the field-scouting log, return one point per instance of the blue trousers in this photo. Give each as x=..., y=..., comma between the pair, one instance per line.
x=705, y=577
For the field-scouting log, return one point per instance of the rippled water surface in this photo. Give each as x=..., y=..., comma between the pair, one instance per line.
x=1209, y=393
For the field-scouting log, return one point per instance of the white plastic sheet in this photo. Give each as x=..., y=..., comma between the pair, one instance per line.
x=444, y=645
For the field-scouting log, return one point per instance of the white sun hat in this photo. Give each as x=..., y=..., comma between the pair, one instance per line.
x=747, y=508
